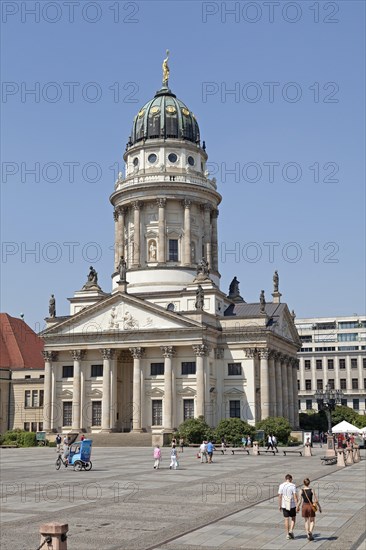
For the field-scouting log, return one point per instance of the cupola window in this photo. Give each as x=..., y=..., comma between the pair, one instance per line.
x=135, y=161
x=191, y=161
x=172, y=157
x=152, y=158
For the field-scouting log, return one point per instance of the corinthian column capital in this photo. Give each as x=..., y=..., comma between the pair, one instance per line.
x=137, y=352
x=161, y=202
x=107, y=353
x=50, y=356
x=77, y=354
x=201, y=350
x=168, y=351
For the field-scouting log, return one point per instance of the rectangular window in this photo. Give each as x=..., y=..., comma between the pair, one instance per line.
x=306, y=338
x=355, y=383
x=309, y=404
x=356, y=404
x=319, y=384
x=27, y=398
x=41, y=376
x=319, y=364
x=26, y=426
x=354, y=363
x=364, y=383
x=34, y=427
x=35, y=401
x=298, y=385
x=342, y=363
x=27, y=376
x=331, y=383
x=41, y=399
x=157, y=369
x=188, y=408
x=67, y=413
x=40, y=426
x=364, y=362
x=343, y=383
x=307, y=364
x=96, y=370
x=235, y=409
x=330, y=364
x=348, y=337
x=189, y=367
x=173, y=250
x=157, y=412
x=344, y=402
x=67, y=372
x=308, y=384
x=234, y=369
x=96, y=413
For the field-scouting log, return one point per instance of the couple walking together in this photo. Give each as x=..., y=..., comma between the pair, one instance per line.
x=289, y=502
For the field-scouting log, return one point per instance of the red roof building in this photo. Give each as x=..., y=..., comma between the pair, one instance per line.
x=20, y=345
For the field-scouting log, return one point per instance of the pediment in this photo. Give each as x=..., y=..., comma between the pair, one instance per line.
x=286, y=328
x=155, y=392
x=66, y=394
x=120, y=312
x=234, y=391
x=95, y=394
x=187, y=392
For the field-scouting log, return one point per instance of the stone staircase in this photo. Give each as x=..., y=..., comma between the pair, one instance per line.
x=120, y=439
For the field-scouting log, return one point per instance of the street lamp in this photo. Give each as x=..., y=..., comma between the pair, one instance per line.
x=327, y=401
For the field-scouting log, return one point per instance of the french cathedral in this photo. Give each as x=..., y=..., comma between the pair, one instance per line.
x=167, y=344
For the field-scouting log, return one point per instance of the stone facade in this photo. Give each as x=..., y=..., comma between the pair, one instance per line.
x=146, y=356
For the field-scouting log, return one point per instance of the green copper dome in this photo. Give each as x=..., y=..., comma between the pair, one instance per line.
x=164, y=117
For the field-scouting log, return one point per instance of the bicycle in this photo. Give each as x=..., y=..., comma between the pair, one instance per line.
x=60, y=461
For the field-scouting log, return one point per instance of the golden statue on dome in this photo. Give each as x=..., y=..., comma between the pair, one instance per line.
x=166, y=70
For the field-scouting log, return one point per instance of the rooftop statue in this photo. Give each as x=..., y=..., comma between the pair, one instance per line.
x=276, y=281
x=122, y=268
x=262, y=301
x=52, y=306
x=92, y=279
x=166, y=70
x=200, y=298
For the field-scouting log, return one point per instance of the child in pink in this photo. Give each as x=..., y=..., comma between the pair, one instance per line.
x=157, y=457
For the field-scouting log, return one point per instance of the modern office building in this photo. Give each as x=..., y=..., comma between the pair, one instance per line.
x=333, y=353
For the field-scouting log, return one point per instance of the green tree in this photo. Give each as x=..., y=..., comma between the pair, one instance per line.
x=233, y=429
x=278, y=426
x=350, y=415
x=195, y=430
x=313, y=420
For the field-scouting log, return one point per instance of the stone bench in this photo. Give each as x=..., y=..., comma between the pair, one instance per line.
x=329, y=460
x=15, y=446
x=239, y=450
x=297, y=451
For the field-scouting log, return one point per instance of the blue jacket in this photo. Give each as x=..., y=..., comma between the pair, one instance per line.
x=210, y=447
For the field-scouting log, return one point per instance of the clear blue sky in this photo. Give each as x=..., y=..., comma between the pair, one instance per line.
x=312, y=196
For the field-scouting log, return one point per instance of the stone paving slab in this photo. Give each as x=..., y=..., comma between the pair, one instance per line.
x=122, y=503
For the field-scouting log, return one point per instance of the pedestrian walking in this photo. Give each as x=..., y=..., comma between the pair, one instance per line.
x=58, y=440
x=173, y=458
x=181, y=444
x=274, y=443
x=287, y=502
x=249, y=441
x=157, y=457
x=223, y=445
x=269, y=442
x=210, y=450
x=203, y=452
x=82, y=437
x=310, y=505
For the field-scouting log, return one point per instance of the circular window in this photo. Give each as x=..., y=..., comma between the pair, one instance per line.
x=135, y=161
x=152, y=158
x=191, y=161
x=172, y=157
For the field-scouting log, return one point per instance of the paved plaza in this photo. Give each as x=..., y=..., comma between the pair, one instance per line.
x=123, y=503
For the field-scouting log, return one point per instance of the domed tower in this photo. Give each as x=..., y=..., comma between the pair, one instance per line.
x=165, y=208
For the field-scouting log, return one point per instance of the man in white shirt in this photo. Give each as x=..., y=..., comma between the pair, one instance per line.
x=287, y=502
x=203, y=451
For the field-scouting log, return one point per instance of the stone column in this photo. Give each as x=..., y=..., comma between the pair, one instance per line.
x=215, y=244
x=136, y=205
x=290, y=387
x=116, y=236
x=220, y=409
x=113, y=418
x=201, y=351
x=302, y=375
x=48, y=404
x=107, y=355
x=136, y=388
x=77, y=355
x=207, y=229
x=285, y=411
x=187, y=232
x=295, y=393
x=278, y=375
x=122, y=210
x=272, y=385
x=168, y=352
x=252, y=389
x=161, y=231
x=265, y=404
